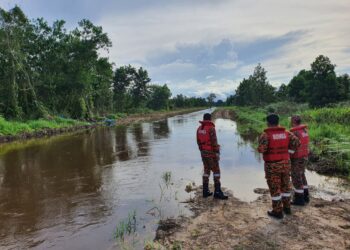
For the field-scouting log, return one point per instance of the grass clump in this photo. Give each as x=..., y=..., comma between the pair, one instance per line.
x=127, y=226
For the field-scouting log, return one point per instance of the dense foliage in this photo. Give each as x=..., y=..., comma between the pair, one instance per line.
x=319, y=86
x=47, y=70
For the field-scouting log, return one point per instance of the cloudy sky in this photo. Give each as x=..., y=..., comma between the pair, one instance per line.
x=203, y=46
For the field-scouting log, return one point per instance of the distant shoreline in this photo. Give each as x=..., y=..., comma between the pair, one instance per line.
x=130, y=119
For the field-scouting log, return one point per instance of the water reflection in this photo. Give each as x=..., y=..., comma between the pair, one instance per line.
x=71, y=192
x=161, y=129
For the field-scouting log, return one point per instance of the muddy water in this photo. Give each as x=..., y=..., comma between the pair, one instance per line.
x=73, y=191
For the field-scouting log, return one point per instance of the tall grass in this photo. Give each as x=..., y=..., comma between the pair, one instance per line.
x=18, y=127
x=329, y=128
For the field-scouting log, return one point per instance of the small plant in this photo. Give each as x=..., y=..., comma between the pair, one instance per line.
x=167, y=178
x=127, y=226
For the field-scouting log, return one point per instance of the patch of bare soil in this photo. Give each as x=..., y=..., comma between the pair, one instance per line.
x=224, y=114
x=234, y=224
x=137, y=118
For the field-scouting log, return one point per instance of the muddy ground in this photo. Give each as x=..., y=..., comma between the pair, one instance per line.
x=234, y=224
x=136, y=118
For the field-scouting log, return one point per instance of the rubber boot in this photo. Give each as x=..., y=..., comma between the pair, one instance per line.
x=298, y=200
x=277, y=215
x=306, y=195
x=276, y=211
x=287, y=210
x=206, y=191
x=218, y=194
x=286, y=205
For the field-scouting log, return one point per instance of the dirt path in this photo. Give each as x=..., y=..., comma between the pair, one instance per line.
x=234, y=224
x=137, y=118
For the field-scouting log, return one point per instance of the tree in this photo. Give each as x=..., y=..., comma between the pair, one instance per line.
x=124, y=78
x=139, y=89
x=159, y=97
x=324, y=87
x=211, y=97
x=299, y=86
x=47, y=69
x=255, y=90
x=282, y=92
x=344, y=82
x=322, y=67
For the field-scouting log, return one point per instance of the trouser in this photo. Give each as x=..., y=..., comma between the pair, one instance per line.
x=211, y=164
x=298, y=175
x=278, y=179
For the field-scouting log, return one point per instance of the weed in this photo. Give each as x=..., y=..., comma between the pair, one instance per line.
x=127, y=226
x=167, y=178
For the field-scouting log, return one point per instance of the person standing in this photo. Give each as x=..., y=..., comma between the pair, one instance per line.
x=299, y=160
x=210, y=153
x=274, y=144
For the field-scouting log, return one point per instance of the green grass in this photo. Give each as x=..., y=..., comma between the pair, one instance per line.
x=329, y=128
x=18, y=127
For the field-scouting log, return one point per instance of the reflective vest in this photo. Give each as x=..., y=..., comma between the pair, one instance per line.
x=203, y=136
x=278, y=144
x=303, y=150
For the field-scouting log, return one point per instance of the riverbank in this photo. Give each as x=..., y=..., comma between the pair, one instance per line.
x=13, y=130
x=234, y=224
x=328, y=129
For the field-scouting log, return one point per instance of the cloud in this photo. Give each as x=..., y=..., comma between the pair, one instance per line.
x=185, y=41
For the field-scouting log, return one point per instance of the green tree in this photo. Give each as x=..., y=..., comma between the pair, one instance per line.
x=139, y=90
x=159, y=97
x=299, y=86
x=282, y=93
x=255, y=90
x=324, y=87
x=124, y=78
x=211, y=97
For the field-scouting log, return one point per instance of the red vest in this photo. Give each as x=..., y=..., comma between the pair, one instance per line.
x=303, y=150
x=278, y=144
x=203, y=136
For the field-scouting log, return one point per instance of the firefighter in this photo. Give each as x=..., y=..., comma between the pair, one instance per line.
x=210, y=152
x=274, y=144
x=299, y=159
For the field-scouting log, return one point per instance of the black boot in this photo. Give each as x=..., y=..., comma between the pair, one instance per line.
x=287, y=210
x=218, y=194
x=277, y=215
x=206, y=191
x=298, y=199
x=306, y=195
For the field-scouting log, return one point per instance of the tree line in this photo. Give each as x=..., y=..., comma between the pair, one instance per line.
x=319, y=86
x=46, y=69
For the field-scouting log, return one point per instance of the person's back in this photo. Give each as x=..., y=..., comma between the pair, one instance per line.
x=299, y=160
x=274, y=144
x=210, y=153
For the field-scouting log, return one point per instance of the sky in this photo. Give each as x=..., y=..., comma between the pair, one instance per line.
x=203, y=46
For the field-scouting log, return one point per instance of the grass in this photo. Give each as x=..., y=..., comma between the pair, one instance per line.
x=18, y=127
x=14, y=127
x=127, y=226
x=328, y=128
